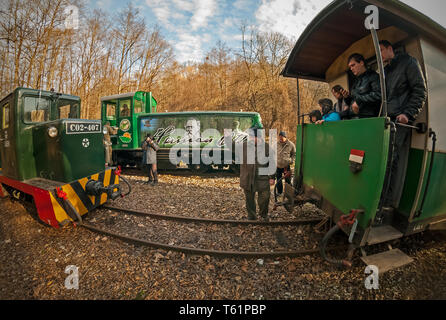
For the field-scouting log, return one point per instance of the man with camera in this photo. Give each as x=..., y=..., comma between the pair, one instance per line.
x=149, y=148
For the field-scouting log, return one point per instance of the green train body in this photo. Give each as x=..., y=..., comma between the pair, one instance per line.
x=27, y=149
x=324, y=171
x=167, y=127
x=51, y=160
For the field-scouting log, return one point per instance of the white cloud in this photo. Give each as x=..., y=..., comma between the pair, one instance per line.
x=189, y=48
x=161, y=10
x=204, y=9
x=288, y=17
x=184, y=5
x=232, y=22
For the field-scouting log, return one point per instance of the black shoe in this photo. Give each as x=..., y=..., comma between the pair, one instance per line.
x=148, y=182
x=252, y=218
x=154, y=183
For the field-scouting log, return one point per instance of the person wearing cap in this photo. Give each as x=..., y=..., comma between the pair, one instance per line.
x=286, y=151
x=252, y=178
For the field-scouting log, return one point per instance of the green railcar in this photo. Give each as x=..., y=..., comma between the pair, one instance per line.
x=204, y=131
x=323, y=168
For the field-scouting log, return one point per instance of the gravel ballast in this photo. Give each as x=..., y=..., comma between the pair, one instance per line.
x=33, y=257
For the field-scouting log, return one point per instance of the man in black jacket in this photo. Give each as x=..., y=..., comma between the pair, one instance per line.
x=406, y=94
x=365, y=96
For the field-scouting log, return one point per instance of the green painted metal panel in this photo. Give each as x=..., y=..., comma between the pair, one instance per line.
x=435, y=203
x=64, y=158
x=414, y=166
x=326, y=164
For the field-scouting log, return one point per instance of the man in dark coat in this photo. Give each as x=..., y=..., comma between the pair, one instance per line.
x=252, y=174
x=365, y=96
x=406, y=95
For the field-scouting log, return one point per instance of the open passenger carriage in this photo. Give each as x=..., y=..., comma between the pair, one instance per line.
x=323, y=170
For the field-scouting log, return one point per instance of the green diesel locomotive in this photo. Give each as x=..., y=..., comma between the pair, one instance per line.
x=52, y=159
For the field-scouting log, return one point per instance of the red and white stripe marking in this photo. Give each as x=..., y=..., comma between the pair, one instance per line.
x=356, y=156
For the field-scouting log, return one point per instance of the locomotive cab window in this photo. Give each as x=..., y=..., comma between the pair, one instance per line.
x=5, y=119
x=36, y=109
x=68, y=109
x=110, y=111
x=138, y=106
x=124, y=108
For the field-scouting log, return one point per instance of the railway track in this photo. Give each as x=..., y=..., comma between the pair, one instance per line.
x=202, y=251
x=215, y=221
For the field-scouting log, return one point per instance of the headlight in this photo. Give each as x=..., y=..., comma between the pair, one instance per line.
x=52, y=132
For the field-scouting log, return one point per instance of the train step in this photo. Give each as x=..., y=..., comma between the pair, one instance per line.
x=387, y=260
x=382, y=234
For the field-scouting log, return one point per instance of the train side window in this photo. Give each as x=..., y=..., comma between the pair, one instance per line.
x=36, y=109
x=137, y=106
x=5, y=118
x=124, y=108
x=111, y=111
x=245, y=123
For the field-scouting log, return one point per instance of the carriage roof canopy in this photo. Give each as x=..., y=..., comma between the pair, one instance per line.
x=341, y=24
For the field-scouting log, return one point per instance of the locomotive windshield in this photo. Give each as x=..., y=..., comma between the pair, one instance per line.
x=68, y=109
x=36, y=109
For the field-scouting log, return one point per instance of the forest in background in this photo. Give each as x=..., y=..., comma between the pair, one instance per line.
x=111, y=54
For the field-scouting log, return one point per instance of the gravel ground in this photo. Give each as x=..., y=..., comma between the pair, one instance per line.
x=33, y=257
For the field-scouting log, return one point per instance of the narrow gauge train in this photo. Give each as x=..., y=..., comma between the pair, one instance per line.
x=134, y=115
x=51, y=159
x=326, y=172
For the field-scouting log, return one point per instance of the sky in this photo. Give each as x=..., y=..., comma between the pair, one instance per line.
x=193, y=27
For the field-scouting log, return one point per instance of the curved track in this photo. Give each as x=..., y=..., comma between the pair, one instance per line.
x=201, y=251
x=215, y=221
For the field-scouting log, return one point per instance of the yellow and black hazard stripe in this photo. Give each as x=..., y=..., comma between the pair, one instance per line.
x=78, y=197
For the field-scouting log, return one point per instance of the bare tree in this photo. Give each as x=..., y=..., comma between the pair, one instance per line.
x=127, y=36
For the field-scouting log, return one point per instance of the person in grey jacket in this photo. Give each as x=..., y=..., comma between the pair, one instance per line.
x=150, y=148
x=252, y=180
x=286, y=151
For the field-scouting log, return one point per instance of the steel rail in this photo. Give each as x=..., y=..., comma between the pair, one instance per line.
x=199, y=251
x=215, y=221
